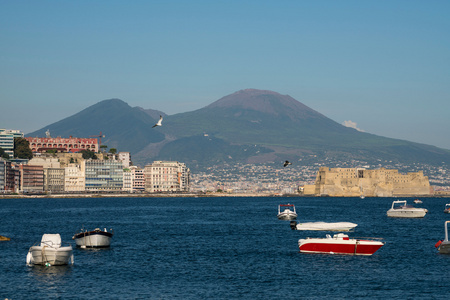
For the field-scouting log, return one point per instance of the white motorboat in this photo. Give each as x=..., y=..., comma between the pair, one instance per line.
x=417, y=201
x=50, y=252
x=339, y=244
x=447, y=208
x=444, y=246
x=405, y=211
x=287, y=213
x=323, y=226
x=93, y=239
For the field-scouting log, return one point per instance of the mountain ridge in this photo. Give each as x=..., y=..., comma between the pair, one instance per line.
x=246, y=126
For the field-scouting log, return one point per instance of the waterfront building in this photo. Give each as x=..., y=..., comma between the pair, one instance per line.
x=3, y=166
x=74, y=179
x=31, y=178
x=103, y=175
x=125, y=158
x=71, y=144
x=54, y=180
x=166, y=176
x=355, y=182
x=138, y=179
x=127, y=180
x=7, y=140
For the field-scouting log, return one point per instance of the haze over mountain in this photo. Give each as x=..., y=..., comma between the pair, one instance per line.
x=249, y=126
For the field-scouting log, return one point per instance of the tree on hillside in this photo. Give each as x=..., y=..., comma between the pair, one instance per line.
x=22, y=148
x=113, y=150
x=87, y=154
x=103, y=147
x=3, y=154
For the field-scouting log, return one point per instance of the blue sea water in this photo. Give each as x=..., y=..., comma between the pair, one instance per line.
x=221, y=248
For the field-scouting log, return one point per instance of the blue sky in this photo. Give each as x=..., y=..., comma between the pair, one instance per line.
x=383, y=66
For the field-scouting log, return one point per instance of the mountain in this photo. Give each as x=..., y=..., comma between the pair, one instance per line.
x=248, y=126
x=125, y=128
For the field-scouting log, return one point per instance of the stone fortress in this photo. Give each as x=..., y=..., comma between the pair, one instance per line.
x=357, y=182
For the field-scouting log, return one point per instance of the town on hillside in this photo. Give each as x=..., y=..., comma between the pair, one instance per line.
x=73, y=166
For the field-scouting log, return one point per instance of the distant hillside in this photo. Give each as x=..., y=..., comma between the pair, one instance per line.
x=249, y=126
x=125, y=128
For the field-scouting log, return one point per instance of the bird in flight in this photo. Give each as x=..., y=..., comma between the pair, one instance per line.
x=286, y=163
x=159, y=122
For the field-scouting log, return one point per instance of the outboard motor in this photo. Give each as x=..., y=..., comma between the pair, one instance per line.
x=293, y=225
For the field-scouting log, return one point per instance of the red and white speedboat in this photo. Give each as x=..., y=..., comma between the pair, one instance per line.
x=339, y=244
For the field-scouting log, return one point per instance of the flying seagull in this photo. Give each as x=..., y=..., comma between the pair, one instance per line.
x=159, y=122
x=286, y=163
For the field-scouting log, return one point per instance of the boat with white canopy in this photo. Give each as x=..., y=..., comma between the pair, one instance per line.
x=402, y=210
x=50, y=252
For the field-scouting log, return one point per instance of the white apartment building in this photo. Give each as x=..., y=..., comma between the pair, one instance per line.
x=74, y=179
x=127, y=181
x=138, y=179
x=125, y=158
x=166, y=176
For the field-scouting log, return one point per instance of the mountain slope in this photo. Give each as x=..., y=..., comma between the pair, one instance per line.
x=249, y=126
x=284, y=127
x=125, y=128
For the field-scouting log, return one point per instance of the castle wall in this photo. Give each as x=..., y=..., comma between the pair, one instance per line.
x=353, y=182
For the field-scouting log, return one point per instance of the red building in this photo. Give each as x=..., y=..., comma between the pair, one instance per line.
x=31, y=178
x=60, y=144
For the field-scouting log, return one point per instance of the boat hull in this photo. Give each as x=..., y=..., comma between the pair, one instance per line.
x=324, y=226
x=42, y=255
x=407, y=213
x=287, y=216
x=444, y=247
x=93, y=239
x=348, y=247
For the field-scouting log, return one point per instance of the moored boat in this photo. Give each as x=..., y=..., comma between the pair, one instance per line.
x=50, y=252
x=443, y=246
x=4, y=238
x=447, y=208
x=405, y=211
x=323, y=226
x=339, y=244
x=417, y=201
x=287, y=213
x=93, y=239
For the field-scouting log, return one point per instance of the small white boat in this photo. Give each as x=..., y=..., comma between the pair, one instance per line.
x=444, y=246
x=447, y=208
x=405, y=211
x=417, y=201
x=287, y=213
x=339, y=244
x=323, y=226
x=93, y=239
x=50, y=252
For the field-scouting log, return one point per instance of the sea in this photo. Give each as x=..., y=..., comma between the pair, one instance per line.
x=221, y=248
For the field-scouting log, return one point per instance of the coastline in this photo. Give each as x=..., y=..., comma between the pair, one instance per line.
x=186, y=195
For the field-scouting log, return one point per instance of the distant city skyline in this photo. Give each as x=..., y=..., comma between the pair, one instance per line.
x=381, y=67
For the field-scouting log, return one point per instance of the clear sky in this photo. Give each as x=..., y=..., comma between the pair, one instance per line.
x=381, y=66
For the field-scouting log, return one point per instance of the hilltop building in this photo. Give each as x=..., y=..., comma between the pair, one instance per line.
x=356, y=182
x=166, y=176
x=60, y=144
x=7, y=140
